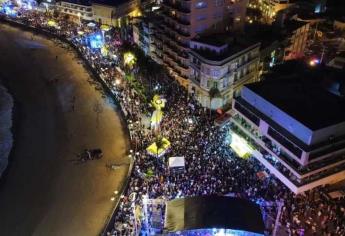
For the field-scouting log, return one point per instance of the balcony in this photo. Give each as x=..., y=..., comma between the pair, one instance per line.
x=177, y=6
x=182, y=46
x=252, y=117
x=181, y=21
x=180, y=32
x=181, y=68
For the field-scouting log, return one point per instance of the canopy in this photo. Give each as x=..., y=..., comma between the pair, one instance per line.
x=213, y=212
x=155, y=151
x=91, y=24
x=176, y=162
x=336, y=194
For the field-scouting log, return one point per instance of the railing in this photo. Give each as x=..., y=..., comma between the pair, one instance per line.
x=247, y=113
x=287, y=144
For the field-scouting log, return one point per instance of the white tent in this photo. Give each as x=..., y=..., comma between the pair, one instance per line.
x=176, y=162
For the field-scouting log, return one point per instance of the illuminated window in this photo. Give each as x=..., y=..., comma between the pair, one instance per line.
x=200, y=4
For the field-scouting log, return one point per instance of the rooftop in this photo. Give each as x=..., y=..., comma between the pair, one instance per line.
x=208, y=212
x=78, y=2
x=114, y=3
x=303, y=98
x=234, y=45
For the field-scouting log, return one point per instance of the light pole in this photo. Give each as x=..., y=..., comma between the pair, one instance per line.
x=79, y=15
x=280, y=205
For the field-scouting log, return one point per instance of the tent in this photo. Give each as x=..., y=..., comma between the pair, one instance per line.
x=213, y=212
x=155, y=151
x=176, y=163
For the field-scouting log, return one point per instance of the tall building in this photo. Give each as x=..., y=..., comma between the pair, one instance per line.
x=143, y=30
x=223, y=63
x=295, y=127
x=185, y=19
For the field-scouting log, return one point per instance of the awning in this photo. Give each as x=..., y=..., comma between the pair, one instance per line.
x=176, y=162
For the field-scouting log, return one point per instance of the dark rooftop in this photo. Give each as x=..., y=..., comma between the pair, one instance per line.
x=217, y=40
x=303, y=98
x=114, y=3
x=208, y=212
x=234, y=45
x=79, y=2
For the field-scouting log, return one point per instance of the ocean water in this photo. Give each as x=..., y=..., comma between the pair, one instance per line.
x=6, y=137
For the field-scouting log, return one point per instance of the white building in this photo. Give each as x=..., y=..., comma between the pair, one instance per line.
x=77, y=9
x=297, y=130
x=221, y=62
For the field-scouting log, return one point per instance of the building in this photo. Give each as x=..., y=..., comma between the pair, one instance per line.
x=297, y=41
x=339, y=24
x=338, y=61
x=270, y=8
x=77, y=9
x=185, y=19
x=115, y=13
x=46, y=5
x=295, y=127
x=143, y=31
x=224, y=63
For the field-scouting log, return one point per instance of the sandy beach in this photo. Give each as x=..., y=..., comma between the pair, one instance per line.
x=59, y=113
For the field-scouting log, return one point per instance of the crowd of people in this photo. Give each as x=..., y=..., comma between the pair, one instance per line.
x=211, y=167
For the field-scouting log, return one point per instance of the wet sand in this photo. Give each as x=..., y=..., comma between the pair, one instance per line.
x=45, y=191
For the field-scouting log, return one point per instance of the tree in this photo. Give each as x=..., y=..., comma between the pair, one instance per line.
x=213, y=93
x=159, y=143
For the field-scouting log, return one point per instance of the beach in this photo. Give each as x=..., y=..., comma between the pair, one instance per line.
x=60, y=112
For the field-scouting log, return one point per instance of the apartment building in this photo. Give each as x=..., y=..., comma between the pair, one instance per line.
x=185, y=19
x=295, y=128
x=223, y=63
x=299, y=32
x=143, y=30
x=77, y=9
x=270, y=8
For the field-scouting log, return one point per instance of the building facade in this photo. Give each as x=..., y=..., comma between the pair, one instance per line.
x=115, y=13
x=143, y=31
x=225, y=67
x=185, y=19
x=297, y=41
x=300, y=139
x=270, y=8
x=77, y=10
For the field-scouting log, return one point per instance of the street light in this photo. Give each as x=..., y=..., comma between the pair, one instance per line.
x=314, y=62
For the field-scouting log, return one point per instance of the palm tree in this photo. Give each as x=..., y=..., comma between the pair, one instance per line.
x=159, y=143
x=213, y=93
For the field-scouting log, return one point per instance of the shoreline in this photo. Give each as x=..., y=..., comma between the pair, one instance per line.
x=7, y=110
x=96, y=77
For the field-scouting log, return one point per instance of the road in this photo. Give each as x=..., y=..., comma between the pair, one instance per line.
x=59, y=113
